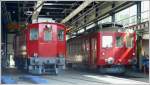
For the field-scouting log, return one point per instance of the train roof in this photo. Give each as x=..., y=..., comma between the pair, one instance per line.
x=102, y=27
x=49, y=23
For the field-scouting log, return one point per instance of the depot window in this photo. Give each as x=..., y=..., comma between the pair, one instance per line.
x=129, y=41
x=145, y=10
x=107, y=41
x=127, y=16
x=119, y=41
x=34, y=34
x=47, y=35
x=60, y=34
x=105, y=20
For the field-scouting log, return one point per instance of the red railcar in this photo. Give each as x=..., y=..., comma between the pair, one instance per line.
x=104, y=49
x=41, y=48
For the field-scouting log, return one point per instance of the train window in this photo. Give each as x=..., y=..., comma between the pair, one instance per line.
x=119, y=41
x=107, y=41
x=129, y=41
x=60, y=34
x=47, y=35
x=34, y=34
x=87, y=46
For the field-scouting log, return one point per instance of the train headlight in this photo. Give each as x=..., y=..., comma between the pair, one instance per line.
x=129, y=60
x=23, y=48
x=35, y=55
x=103, y=53
x=133, y=54
x=110, y=60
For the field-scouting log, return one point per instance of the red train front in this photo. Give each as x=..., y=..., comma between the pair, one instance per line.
x=41, y=48
x=105, y=49
x=116, y=51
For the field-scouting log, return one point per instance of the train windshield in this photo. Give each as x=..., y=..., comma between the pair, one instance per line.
x=47, y=35
x=34, y=34
x=119, y=41
x=60, y=34
x=129, y=41
x=107, y=41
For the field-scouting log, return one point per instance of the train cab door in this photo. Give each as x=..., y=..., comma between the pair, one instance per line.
x=119, y=45
x=87, y=52
x=93, y=51
x=107, y=45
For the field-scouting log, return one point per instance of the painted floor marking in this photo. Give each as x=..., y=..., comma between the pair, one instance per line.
x=115, y=80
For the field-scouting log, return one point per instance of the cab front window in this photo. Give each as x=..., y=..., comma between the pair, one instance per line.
x=129, y=41
x=34, y=34
x=60, y=34
x=119, y=41
x=107, y=41
x=47, y=35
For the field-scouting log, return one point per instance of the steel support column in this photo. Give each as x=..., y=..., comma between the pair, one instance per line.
x=139, y=39
x=138, y=12
x=113, y=12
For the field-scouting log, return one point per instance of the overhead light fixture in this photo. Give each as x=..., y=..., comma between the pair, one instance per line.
x=28, y=12
x=47, y=13
x=13, y=12
x=48, y=4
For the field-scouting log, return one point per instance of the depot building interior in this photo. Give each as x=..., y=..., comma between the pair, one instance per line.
x=88, y=49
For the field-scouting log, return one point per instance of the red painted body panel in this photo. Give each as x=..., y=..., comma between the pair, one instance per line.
x=120, y=54
x=44, y=48
x=32, y=46
x=107, y=51
x=48, y=48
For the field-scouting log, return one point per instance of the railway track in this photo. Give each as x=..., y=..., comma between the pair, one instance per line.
x=80, y=81
x=75, y=78
x=72, y=77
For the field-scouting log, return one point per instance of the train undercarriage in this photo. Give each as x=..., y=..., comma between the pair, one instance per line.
x=40, y=65
x=114, y=69
x=104, y=69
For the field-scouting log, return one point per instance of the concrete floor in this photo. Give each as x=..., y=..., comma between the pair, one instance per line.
x=78, y=77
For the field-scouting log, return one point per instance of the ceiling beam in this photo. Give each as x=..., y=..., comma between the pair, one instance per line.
x=37, y=10
x=52, y=16
x=56, y=6
x=77, y=10
x=51, y=4
x=63, y=2
x=51, y=13
x=51, y=10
